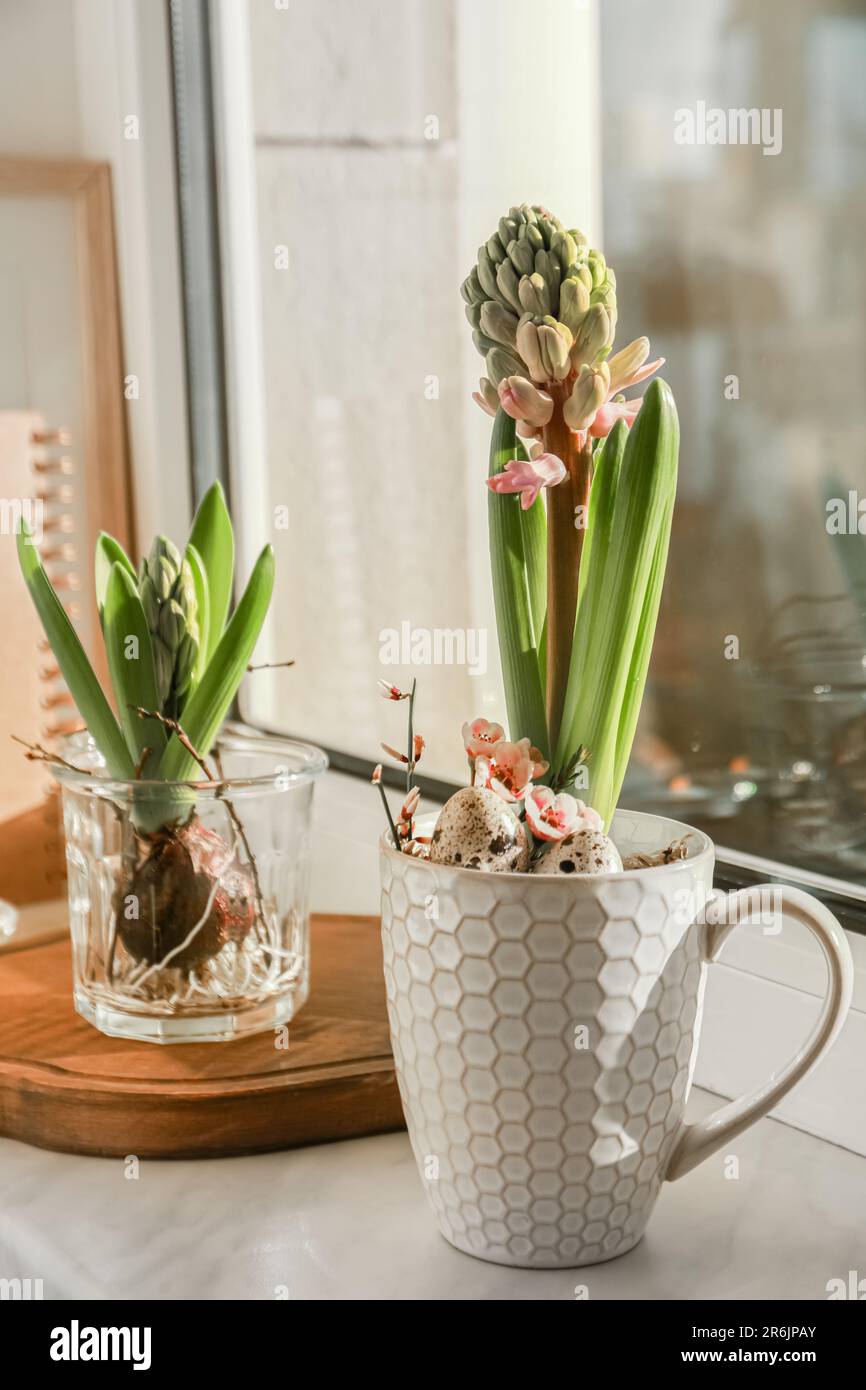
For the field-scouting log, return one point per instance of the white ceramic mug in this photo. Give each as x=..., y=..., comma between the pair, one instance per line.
x=545, y=1033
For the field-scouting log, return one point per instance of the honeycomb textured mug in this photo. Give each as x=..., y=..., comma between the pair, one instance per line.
x=545, y=1035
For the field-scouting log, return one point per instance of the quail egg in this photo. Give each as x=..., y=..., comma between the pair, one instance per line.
x=477, y=830
x=584, y=852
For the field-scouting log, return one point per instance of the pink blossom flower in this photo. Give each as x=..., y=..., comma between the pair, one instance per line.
x=377, y=775
x=552, y=817
x=508, y=769
x=528, y=477
x=391, y=692
x=539, y=763
x=418, y=746
x=480, y=735
x=407, y=811
x=394, y=753
x=410, y=805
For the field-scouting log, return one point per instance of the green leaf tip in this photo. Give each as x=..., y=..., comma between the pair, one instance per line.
x=213, y=538
x=72, y=659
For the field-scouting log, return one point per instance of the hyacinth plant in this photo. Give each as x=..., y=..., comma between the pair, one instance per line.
x=176, y=658
x=577, y=582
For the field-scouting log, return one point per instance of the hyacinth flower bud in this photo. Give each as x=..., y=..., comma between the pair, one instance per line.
x=501, y=362
x=548, y=267
x=486, y=396
x=523, y=401
x=603, y=294
x=554, y=347
x=498, y=323
x=522, y=256
x=507, y=283
x=596, y=263
x=573, y=303
x=528, y=347
x=592, y=337
x=588, y=395
x=534, y=295
x=471, y=288
x=564, y=247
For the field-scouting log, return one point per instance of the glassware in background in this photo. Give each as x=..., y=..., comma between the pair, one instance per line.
x=807, y=696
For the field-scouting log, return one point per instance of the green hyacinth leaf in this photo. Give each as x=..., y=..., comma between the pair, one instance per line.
x=72, y=659
x=622, y=572
x=641, y=657
x=213, y=538
x=109, y=552
x=130, y=661
x=202, y=608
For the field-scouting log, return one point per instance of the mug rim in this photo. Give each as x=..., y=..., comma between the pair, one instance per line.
x=706, y=851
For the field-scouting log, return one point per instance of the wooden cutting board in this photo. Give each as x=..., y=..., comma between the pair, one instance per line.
x=65, y=1086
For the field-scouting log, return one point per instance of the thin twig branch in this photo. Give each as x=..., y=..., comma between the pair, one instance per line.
x=139, y=766
x=270, y=665
x=37, y=754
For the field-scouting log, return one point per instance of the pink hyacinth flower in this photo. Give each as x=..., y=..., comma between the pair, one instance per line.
x=552, y=817
x=528, y=477
x=615, y=407
x=608, y=414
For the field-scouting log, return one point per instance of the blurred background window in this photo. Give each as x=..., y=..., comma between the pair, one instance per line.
x=365, y=151
x=746, y=268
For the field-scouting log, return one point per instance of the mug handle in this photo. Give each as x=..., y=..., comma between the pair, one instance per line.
x=723, y=912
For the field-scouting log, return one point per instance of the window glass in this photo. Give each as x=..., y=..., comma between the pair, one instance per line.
x=377, y=172
x=744, y=263
x=717, y=153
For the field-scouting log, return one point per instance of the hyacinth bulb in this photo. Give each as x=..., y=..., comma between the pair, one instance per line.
x=187, y=899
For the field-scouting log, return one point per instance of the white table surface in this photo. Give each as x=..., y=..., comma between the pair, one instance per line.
x=350, y=1221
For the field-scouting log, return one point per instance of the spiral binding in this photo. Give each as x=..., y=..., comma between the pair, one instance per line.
x=54, y=468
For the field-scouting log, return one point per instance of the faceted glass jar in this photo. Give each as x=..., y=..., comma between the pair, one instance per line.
x=188, y=902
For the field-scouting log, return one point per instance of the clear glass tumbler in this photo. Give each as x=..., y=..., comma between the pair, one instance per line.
x=188, y=901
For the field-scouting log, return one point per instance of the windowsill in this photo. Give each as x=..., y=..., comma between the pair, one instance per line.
x=761, y=1001
x=349, y=1220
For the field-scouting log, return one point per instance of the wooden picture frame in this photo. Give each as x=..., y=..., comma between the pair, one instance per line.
x=105, y=452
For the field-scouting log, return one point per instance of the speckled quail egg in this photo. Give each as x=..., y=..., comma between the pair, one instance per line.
x=477, y=830
x=584, y=852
